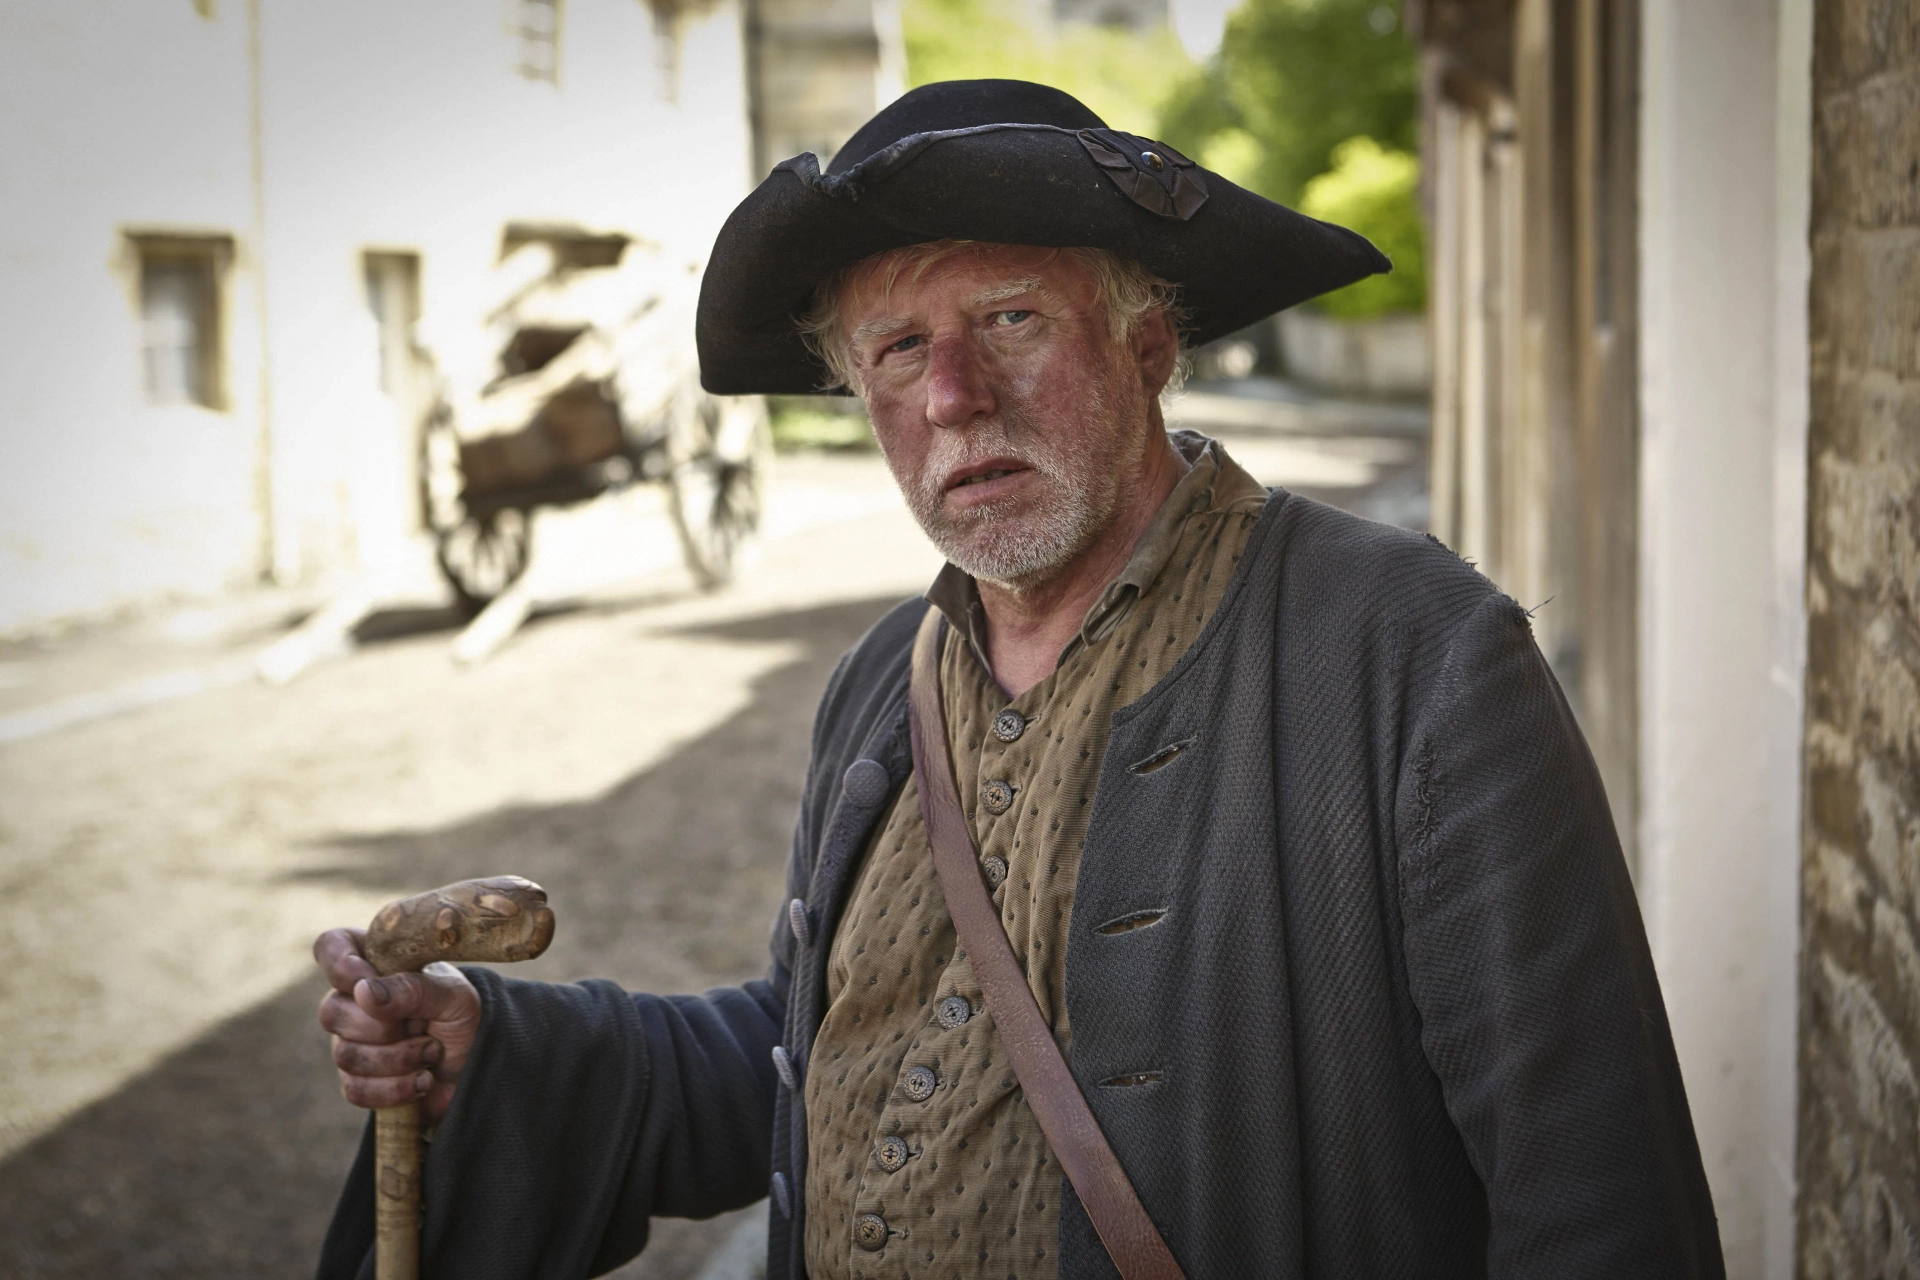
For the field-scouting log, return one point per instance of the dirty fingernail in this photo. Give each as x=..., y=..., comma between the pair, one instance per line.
x=422, y=1081
x=379, y=989
x=432, y=1052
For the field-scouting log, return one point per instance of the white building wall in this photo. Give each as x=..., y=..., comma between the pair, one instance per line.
x=116, y=118
x=1723, y=292
x=382, y=127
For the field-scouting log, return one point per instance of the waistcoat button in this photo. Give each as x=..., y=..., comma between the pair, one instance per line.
x=920, y=1083
x=870, y=1232
x=953, y=1011
x=892, y=1154
x=866, y=783
x=996, y=869
x=800, y=922
x=783, y=1067
x=997, y=796
x=781, y=1196
x=1008, y=725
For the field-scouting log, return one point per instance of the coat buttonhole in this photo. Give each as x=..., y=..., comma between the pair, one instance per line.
x=1132, y=920
x=1161, y=758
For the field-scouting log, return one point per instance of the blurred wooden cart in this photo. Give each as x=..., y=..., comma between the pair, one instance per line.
x=589, y=385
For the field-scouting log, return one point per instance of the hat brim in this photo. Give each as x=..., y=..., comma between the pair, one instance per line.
x=1238, y=258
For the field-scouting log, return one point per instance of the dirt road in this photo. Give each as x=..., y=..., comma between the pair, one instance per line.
x=166, y=1104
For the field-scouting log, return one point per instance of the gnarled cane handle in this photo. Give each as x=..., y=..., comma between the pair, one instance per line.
x=498, y=919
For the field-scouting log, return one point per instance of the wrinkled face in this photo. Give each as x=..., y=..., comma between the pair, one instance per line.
x=1013, y=419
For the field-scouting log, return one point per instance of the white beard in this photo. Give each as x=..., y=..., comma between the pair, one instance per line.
x=1021, y=540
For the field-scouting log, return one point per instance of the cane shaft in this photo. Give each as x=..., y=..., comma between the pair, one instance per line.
x=396, y=1201
x=493, y=920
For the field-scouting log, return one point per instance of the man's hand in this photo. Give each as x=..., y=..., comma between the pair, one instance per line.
x=398, y=1038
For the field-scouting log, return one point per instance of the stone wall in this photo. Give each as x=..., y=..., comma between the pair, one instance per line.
x=1859, y=1120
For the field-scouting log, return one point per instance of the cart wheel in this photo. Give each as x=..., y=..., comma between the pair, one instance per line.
x=480, y=556
x=721, y=456
x=442, y=508
x=483, y=556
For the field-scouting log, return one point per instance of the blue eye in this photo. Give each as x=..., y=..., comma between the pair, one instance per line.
x=906, y=344
x=1014, y=317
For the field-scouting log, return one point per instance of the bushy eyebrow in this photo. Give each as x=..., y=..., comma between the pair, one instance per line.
x=886, y=326
x=880, y=328
x=1010, y=289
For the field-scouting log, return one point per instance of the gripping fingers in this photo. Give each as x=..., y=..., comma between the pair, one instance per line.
x=404, y=1058
x=340, y=955
x=385, y=1091
x=341, y=1016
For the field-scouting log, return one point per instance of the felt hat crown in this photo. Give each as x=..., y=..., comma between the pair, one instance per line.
x=1007, y=162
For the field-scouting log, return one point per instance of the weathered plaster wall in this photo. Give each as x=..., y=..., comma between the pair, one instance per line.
x=1859, y=1144
x=1711, y=226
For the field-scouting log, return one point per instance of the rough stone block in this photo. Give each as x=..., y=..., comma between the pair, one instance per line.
x=1859, y=1115
x=1856, y=39
x=1885, y=175
x=1896, y=964
x=1891, y=834
x=1889, y=320
x=1866, y=155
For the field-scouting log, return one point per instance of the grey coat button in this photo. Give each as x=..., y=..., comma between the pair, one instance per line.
x=866, y=783
x=781, y=1196
x=920, y=1083
x=870, y=1232
x=892, y=1154
x=997, y=796
x=996, y=869
x=1008, y=725
x=783, y=1067
x=800, y=922
x=953, y=1011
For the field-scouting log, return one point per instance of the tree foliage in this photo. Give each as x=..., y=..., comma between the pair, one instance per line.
x=1292, y=81
x=1126, y=77
x=1374, y=190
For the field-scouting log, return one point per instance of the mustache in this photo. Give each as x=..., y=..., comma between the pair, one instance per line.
x=1008, y=435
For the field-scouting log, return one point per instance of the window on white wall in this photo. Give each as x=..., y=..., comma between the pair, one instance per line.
x=393, y=298
x=666, y=49
x=180, y=320
x=536, y=27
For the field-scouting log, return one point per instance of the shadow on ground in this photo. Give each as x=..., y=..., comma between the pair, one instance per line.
x=224, y=1160
x=403, y=622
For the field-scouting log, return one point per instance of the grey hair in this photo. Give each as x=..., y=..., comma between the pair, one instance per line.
x=1125, y=291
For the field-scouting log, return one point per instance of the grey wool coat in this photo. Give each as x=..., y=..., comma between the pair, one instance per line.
x=1400, y=1002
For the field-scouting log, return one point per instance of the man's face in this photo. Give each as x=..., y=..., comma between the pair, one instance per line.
x=1011, y=417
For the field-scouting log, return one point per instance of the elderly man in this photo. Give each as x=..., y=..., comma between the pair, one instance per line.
x=1324, y=960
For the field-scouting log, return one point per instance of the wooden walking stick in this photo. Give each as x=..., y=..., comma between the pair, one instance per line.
x=504, y=918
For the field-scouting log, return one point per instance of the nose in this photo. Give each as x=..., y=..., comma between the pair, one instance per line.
x=958, y=389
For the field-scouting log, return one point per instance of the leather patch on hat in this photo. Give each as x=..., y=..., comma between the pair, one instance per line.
x=1151, y=174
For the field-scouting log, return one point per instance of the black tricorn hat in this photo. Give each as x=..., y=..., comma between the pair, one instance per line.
x=1008, y=162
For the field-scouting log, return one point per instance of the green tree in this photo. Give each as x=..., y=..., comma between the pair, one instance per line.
x=1292, y=81
x=1375, y=191
x=1126, y=77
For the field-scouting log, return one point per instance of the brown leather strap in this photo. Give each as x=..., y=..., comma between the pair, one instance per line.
x=1055, y=1099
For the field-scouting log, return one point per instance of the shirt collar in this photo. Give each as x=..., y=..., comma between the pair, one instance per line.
x=1213, y=480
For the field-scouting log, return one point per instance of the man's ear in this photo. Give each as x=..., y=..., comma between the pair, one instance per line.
x=1156, y=346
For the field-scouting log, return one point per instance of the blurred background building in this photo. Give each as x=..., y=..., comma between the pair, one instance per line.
x=247, y=235
x=819, y=70
x=1676, y=325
